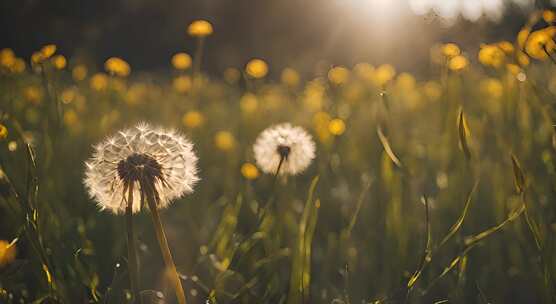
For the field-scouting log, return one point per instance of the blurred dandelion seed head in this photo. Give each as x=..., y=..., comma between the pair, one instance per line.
x=291, y=143
x=140, y=154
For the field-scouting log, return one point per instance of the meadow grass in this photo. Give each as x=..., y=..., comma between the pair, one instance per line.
x=437, y=188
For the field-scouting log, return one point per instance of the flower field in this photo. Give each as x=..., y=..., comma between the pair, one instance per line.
x=351, y=184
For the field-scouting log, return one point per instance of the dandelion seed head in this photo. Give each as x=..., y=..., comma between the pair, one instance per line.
x=291, y=143
x=131, y=157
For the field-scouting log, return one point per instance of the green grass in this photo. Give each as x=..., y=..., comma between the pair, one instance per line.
x=440, y=190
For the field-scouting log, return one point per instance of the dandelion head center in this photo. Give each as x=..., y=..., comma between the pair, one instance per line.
x=284, y=151
x=137, y=167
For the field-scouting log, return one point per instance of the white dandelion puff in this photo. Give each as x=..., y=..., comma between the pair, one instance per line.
x=136, y=158
x=284, y=148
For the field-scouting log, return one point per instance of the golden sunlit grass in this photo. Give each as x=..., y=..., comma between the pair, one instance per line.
x=395, y=188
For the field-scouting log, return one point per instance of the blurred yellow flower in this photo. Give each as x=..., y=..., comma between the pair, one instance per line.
x=336, y=126
x=506, y=46
x=290, y=77
x=492, y=87
x=450, y=50
x=47, y=51
x=68, y=95
x=248, y=103
x=491, y=55
x=321, y=122
x=232, y=75
x=70, y=118
x=79, y=72
x=457, y=63
x=136, y=93
x=541, y=43
x=182, y=84
x=406, y=82
x=181, y=61
x=18, y=66
x=7, y=58
x=99, y=82
x=523, y=59
x=249, y=171
x=313, y=95
x=338, y=75
x=117, y=66
x=200, y=28
x=364, y=71
x=224, y=140
x=33, y=94
x=522, y=37
x=7, y=252
x=3, y=132
x=193, y=119
x=59, y=62
x=256, y=68
x=383, y=74
x=514, y=69
x=549, y=16
x=36, y=58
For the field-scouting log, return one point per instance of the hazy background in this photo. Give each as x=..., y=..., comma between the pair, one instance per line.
x=299, y=33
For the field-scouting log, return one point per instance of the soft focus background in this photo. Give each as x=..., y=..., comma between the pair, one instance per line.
x=434, y=125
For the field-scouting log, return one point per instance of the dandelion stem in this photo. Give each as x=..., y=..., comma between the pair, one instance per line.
x=262, y=211
x=163, y=242
x=131, y=251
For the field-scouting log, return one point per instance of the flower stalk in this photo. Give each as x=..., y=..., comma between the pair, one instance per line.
x=131, y=248
x=152, y=199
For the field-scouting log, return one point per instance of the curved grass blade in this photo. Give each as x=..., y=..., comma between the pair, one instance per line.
x=427, y=252
x=463, y=133
x=459, y=222
x=387, y=147
x=519, y=177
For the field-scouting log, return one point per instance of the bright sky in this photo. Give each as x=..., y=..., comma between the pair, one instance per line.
x=470, y=9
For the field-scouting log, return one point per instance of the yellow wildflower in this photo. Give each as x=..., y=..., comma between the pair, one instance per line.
x=200, y=28
x=506, y=46
x=99, y=82
x=541, y=43
x=248, y=103
x=18, y=66
x=491, y=55
x=47, y=51
x=224, y=140
x=549, y=16
x=450, y=50
x=117, y=66
x=383, y=74
x=336, y=126
x=249, y=171
x=457, y=63
x=3, y=132
x=7, y=252
x=193, y=119
x=182, y=84
x=181, y=61
x=59, y=62
x=290, y=77
x=338, y=75
x=256, y=68
x=79, y=72
x=492, y=87
x=70, y=118
x=7, y=58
